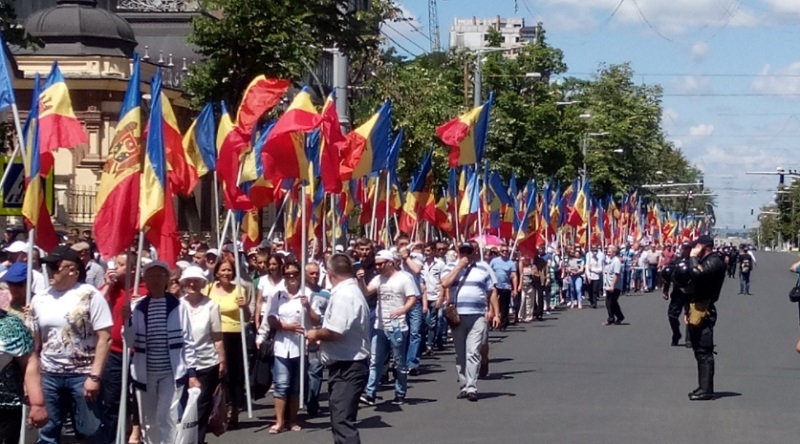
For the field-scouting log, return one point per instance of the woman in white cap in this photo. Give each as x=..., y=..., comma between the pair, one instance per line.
x=164, y=362
x=207, y=335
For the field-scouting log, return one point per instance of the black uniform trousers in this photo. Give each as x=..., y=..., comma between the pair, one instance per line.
x=702, y=339
x=674, y=310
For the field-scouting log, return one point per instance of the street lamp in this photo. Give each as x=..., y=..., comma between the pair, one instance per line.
x=585, y=146
x=479, y=70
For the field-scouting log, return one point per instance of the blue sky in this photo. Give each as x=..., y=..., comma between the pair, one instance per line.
x=729, y=68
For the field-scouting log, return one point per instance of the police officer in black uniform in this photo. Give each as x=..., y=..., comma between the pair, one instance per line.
x=678, y=299
x=704, y=275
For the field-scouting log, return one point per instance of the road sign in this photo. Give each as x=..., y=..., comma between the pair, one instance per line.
x=13, y=190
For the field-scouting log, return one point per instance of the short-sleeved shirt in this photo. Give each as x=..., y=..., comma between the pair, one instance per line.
x=594, y=267
x=432, y=277
x=95, y=274
x=15, y=341
x=206, y=321
x=287, y=309
x=613, y=267
x=268, y=290
x=393, y=293
x=471, y=297
x=67, y=322
x=228, y=307
x=503, y=268
x=348, y=315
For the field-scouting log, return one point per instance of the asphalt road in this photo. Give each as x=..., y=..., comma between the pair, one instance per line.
x=570, y=379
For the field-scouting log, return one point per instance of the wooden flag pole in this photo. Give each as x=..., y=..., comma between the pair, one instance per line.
x=303, y=262
x=28, y=296
x=216, y=208
x=242, y=321
x=372, y=226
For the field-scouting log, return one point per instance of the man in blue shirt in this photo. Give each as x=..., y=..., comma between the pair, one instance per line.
x=505, y=270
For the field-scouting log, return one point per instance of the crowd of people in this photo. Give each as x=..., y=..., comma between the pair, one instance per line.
x=368, y=313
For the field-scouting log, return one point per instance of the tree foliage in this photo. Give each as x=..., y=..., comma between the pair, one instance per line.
x=278, y=38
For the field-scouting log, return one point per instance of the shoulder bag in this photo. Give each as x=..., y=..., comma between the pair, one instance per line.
x=794, y=294
x=451, y=312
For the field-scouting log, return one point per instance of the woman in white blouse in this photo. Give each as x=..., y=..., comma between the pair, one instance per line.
x=288, y=315
x=207, y=333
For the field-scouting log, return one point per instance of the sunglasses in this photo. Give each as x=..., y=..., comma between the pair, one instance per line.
x=291, y=274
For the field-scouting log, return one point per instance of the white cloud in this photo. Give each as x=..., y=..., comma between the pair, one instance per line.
x=406, y=32
x=691, y=84
x=784, y=6
x=700, y=51
x=669, y=17
x=702, y=130
x=778, y=81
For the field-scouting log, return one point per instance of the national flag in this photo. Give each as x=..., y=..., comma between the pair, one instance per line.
x=580, y=208
x=367, y=147
x=231, y=143
x=261, y=190
x=156, y=213
x=471, y=201
x=199, y=142
x=466, y=135
x=261, y=95
x=115, y=224
x=58, y=126
x=34, y=208
x=251, y=230
x=181, y=167
x=333, y=142
x=6, y=90
x=418, y=194
x=284, y=155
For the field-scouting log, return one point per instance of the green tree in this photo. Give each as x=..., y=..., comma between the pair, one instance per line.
x=278, y=38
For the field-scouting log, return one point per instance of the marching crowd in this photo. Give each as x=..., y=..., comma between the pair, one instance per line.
x=368, y=313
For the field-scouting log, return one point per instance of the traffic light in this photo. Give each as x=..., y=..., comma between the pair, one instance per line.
x=751, y=211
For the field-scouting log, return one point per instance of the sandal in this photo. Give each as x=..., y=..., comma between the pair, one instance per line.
x=274, y=430
x=295, y=428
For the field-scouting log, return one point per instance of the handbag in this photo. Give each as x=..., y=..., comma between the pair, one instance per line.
x=187, y=429
x=794, y=293
x=218, y=420
x=261, y=373
x=450, y=312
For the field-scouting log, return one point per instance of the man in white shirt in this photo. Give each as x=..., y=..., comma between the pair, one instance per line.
x=396, y=296
x=344, y=348
x=594, y=274
x=612, y=283
x=73, y=324
x=432, y=307
x=95, y=274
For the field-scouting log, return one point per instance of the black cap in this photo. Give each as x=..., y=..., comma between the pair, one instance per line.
x=704, y=240
x=62, y=253
x=466, y=245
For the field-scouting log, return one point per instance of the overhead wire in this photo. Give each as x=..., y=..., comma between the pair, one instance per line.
x=398, y=45
x=405, y=37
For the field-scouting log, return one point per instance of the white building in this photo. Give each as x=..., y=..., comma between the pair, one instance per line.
x=473, y=33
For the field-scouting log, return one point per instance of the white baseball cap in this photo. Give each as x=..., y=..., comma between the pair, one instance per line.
x=384, y=255
x=193, y=272
x=17, y=247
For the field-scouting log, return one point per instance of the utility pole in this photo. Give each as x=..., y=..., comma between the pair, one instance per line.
x=433, y=26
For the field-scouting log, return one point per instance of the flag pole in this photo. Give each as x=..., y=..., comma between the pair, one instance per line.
x=388, y=199
x=19, y=148
x=373, y=220
x=334, y=225
x=324, y=227
x=28, y=296
x=123, y=401
x=303, y=262
x=480, y=216
x=221, y=236
x=216, y=207
x=277, y=215
x=234, y=233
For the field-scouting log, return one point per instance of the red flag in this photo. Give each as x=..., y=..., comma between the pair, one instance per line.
x=333, y=143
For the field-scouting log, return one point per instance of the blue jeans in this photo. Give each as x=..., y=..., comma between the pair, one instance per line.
x=436, y=325
x=576, y=288
x=651, y=277
x=67, y=390
x=381, y=341
x=286, y=376
x=744, y=283
x=415, y=326
x=314, y=386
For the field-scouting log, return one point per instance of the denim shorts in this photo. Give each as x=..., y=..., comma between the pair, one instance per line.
x=286, y=376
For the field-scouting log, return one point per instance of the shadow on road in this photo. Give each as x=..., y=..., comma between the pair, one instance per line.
x=721, y=395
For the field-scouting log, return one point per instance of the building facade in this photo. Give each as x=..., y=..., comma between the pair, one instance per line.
x=472, y=34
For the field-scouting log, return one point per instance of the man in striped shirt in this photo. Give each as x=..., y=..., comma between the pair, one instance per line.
x=471, y=283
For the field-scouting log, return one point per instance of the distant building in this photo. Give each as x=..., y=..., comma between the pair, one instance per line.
x=473, y=33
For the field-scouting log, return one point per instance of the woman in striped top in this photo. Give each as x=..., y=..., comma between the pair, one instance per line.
x=164, y=362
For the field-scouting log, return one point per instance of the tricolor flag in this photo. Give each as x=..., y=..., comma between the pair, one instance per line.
x=199, y=142
x=6, y=90
x=231, y=143
x=181, y=167
x=367, y=147
x=156, y=213
x=580, y=208
x=34, y=208
x=466, y=135
x=58, y=126
x=115, y=224
x=333, y=142
x=418, y=194
x=284, y=155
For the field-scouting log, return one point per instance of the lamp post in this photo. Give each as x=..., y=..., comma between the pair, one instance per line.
x=586, y=146
x=478, y=80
